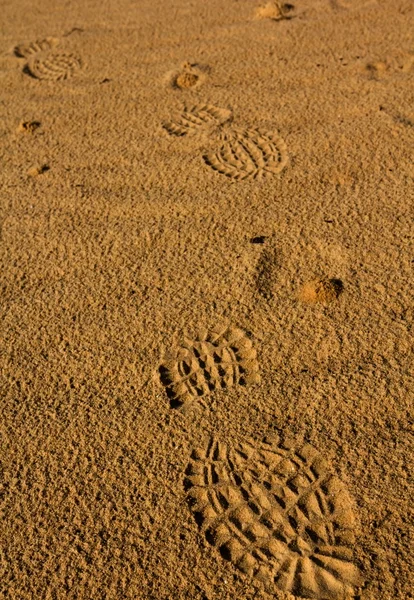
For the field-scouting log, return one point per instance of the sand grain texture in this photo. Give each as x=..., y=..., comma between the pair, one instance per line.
x=204, y=162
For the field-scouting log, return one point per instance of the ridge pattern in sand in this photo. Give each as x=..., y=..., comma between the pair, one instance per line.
x=54, y=67
x=215, y=359
x=196, y=118
x=248, y=154
x=278, y=514
x=27, y=50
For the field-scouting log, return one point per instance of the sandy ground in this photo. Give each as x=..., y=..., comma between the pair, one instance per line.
x=176, y=176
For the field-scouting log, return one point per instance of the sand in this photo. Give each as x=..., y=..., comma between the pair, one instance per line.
x=206, y=241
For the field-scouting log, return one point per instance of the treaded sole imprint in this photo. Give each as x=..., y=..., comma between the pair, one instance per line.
x=215, y=359
x=276, y=512
x=197, y=118
x=248, y=154
x=54, y=67
x=27, y=50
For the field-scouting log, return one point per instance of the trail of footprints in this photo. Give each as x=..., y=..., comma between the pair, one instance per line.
x=278, y=514
x=243, y=153
x=273, y=509
x=45, y=64
x=215, y=359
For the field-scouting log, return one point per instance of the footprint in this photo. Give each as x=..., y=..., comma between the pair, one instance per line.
x=377, y=70
x=38, y=170
x=190, y=76
x=53, y=66
x=196, y=118
x=406, y=119
x=399, y=62
x=321, y=291
x=244, y=153
x=267, y=272
x=215, y=359
x=277, y=513
x=248, y=154
x=28, y=126
x=27, y=50
x=275, y=10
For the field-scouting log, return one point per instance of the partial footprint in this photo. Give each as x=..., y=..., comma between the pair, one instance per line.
x=377, y=70
x=399, y=62
x=212, y=360
x=276, y=512
x=197, y=118
x=248, y=154
x=27, y=50
x=267, y=272
x=190, y=76
x=321, y=291
x=53, y=67
x=28, y=126
x=38, y=170
x=275, y=10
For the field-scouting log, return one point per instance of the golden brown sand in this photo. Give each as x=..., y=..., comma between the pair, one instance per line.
x=321, y=291
x=176, y=422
